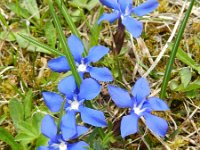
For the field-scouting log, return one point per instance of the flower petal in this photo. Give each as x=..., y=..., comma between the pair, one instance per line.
x=59, y=64
x=81, y=130
x=53, y=101
x=140, y=90
x=96, y=53
x=76, y=47
x=120, y=96
x=67, y=86
x=101, y=74
x=89, y=89
x=49, y=127
x=110, y=3
x=133, y=26
x=93, y=117
x=43, y=148
x=158, y=104
x=129, y=125
x=156, y=124
x=145, y=8
x=78, y=146
x=125, y=4
x=112, y=17
x=68, y=125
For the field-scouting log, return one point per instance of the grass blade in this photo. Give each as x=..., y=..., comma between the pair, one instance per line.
x=174, y=51
x=67, y=52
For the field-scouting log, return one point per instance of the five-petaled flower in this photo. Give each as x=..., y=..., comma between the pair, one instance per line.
x=139, y=106
x=122, y=9
x=57, y=140
x=75, y=98
x=60, y=64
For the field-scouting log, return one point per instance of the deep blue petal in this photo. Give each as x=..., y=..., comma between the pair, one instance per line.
x=67, y=86
x=129, y=125
x=101, y=74
x=96, y=53
x=156, y=124
x=53, y=101
x=125, y=5
x=158, y=104
x=141, y=90
x=133, y=26
x=110, y=3
x=112, y=17
x=59, y=64
x=93, y=117
x=120, y=96
x=68, y=125
x=89, y=89
x=145, y=8
x=43, y=148
x=78, y=146
x=76, y=47
x=49, y=127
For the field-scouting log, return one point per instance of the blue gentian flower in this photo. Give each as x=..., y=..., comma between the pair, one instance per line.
x=139, y=106
x=57, y=140
x=75, y=98
x=123, y=9
x=60, y=64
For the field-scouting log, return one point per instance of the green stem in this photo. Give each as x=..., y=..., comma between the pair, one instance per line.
x=174, y=51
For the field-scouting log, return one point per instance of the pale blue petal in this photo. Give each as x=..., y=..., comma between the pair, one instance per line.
x=112, y=17
x=49, y=127
x=101, y=74
x=125, y=5
x=156, y=124
x=93, y=117
x=89, y=89
x=78, y=146
x=68, y=125
x=76, y=47
x=110, y=3
x=141, y=90
x=59, y=64
x=129, y=125
x=120, y=97
x=53, y=101
x=157, y=104
x=145, y=8
x=96, y=53
x=81, y=130
x=67, y=86
x=43, y=148
x=133, y=26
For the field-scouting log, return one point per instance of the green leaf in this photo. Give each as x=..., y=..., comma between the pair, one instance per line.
x=2, y=118
x=50, y=34
x=32, y=8
x=192, y=86
x=186, y=76
x=16, y=112
x=183, y=56
x=28, y=104
x=9, y=139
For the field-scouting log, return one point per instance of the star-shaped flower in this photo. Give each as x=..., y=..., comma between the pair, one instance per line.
x=57, y=140
x=83, y=64
x=139, y=106
x=75, y=98
x=123, y=9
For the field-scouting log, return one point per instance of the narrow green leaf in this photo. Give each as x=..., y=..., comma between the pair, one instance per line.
x=50, y=34
x=174, y=51
x=66, y=49
x=35, y=42
x=28, y=104
x=32, y=8
x=2, y=118
x=9, y=139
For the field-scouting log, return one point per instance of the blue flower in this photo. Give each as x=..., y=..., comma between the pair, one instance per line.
x=122, y=9
x=139, y=106
x=57, y=141
x=74, y=104
x=60, y=64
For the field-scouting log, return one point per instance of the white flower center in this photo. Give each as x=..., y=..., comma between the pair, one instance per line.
x=62, y=146
x=82, y=68
x=137, y=110
x=74, y=105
